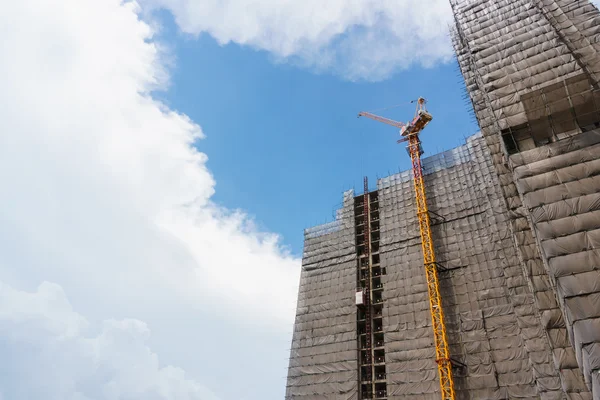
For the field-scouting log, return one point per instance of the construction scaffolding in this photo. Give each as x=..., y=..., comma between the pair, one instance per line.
x=487, y=307
x=515, y=222
x=531, y=70
x=494, y=328
x=323, y=358
x=560, y=189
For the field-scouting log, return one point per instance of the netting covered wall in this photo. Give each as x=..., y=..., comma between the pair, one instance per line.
x=323, y=358
x=531, y=70
x=504, y=322
x=560, y=187
x=493, y=326
x=525, y=61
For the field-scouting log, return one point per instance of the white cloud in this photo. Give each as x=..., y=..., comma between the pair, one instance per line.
x=104, y=193
x=42, y=338
x=359, y=39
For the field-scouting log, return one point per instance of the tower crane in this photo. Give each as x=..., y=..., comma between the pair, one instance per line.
x=410, y=133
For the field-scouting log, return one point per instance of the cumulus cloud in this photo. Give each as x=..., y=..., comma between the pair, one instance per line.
x=105, y=192
x=97, y=168
x=358, y=39
x=43, y=339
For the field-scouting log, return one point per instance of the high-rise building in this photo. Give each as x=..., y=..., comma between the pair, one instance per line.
x=516, y=228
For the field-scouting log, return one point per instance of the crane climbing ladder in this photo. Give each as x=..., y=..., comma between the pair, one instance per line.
x=410, y=133
x=369, y=360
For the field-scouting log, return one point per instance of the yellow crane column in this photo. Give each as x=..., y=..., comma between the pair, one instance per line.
x=410, y=133
x=442, y=353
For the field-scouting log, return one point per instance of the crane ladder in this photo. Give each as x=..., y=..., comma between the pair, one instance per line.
x=410, y=133
x=442, y=352
x=368, y=284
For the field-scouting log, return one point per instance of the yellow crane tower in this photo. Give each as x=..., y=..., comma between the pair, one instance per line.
x=410, y=133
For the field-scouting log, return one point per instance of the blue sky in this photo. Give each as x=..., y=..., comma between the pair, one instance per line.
x=284, y=142
x=160, y=160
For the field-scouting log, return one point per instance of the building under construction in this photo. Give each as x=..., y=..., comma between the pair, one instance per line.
x=514, y=219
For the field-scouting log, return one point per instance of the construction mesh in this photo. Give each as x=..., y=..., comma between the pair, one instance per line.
x=523, y=60
x=493, y=327
x=323, y=357
x=531, y=69
x=516, y=229
x=508, y=334
x=560, y=188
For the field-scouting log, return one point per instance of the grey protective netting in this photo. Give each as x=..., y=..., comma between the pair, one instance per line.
x=323, y=358
x=521, y=232
x=493, y=326
x=534, y=66
x=560, y=187
x=509, y=48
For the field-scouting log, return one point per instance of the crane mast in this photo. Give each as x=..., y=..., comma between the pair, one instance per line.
x=410, y=133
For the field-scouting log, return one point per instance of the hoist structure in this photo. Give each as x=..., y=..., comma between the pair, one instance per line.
x=410, y=133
